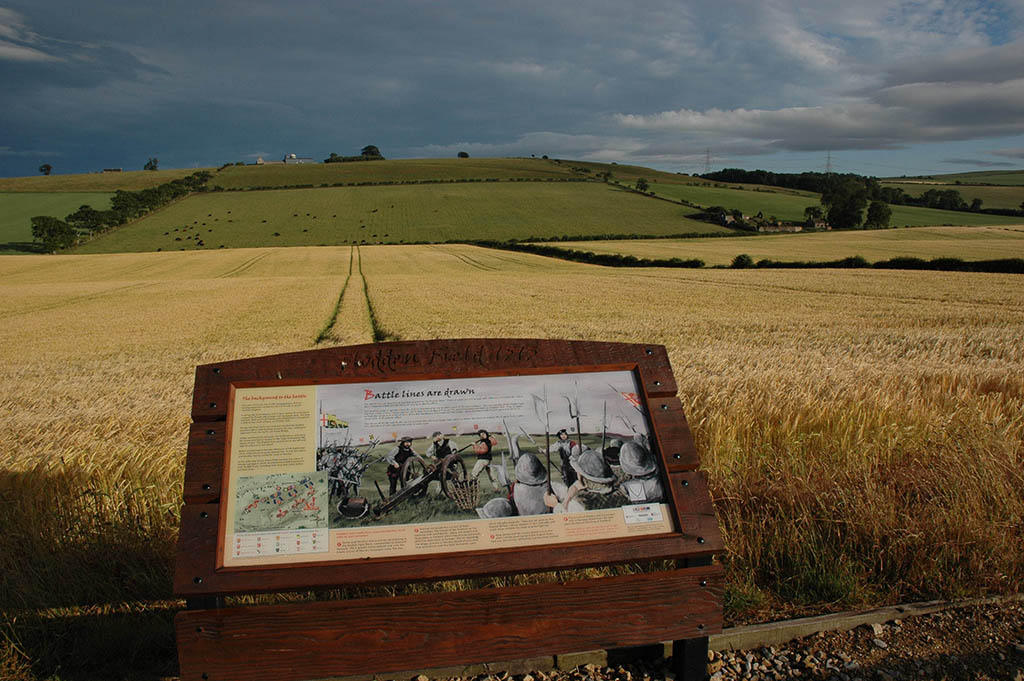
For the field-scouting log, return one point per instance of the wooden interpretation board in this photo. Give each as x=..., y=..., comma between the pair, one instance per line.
x=354, y=466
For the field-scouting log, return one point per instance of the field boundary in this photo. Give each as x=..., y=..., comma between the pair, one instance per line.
x=997, y=266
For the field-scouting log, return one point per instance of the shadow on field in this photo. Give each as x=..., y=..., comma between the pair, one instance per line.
x=69, y=538
x=22, y=247
x=128, y=646
x=85, y=575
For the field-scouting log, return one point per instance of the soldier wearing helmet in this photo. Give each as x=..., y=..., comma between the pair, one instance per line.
x=594, y=484
x=642, y=484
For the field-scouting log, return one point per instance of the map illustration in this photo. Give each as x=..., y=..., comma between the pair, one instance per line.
x=283, y=501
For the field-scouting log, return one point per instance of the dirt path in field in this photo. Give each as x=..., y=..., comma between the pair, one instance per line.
x=350, y=324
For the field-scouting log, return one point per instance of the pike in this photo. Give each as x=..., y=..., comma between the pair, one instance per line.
x=576, y=416
x=547, y=428
x=604, y=426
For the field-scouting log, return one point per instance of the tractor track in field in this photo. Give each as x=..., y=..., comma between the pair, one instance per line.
x=466, y=259
x=65, y=302
x=245, y=266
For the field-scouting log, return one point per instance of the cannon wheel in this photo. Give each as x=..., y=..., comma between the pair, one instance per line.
x=453, y=468
x=412, y=469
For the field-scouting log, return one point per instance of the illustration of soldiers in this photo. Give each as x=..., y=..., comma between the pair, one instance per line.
x=498, y=507
x=530, y=493
x=482, y=448
x=594, y=483
x=565, y=448
x=440, y=447
x=643, y=483
x=396, y=457
x=611, y=452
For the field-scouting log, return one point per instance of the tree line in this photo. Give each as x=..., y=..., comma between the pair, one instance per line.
x=822, y=183
x=367, y=153
x=53, y=233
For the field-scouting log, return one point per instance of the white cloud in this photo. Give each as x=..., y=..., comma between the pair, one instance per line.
x=1009, y=153
x=15, y=52
x=521, y=69
x=8, y=151
x=979, y=104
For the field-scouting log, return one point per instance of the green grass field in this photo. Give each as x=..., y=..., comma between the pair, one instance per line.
x=968, y=243
x=789, y=205
x=132, y=180
x=396, y=214
x=785, y=204
x=17, y=210
x=1003, y=177
x=991, y=196
x=403, y=170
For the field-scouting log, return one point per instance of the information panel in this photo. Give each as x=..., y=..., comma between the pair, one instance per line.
x=405, y=468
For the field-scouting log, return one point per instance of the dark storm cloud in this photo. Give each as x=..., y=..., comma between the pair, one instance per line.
x=32, y=61
x=213, y=81
x=981, y=163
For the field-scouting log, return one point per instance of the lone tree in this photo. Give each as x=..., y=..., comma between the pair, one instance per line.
x=371, y=150
x=462, y=154
x=151, y=164
x=742, y=262
x=844, y=203
x=641, y=185
x=45, y=168
x=879, y=213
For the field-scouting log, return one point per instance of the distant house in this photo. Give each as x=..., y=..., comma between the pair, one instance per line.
x=292, y=159
x=111, y=170
x=778, y=226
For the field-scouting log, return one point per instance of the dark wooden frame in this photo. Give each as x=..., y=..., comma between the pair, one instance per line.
x=683, y=604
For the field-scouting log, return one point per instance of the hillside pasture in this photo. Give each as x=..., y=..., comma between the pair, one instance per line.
x=789, y=205
x=1002, y=177
x=396, y=214
x=1008, y=196
x=401, y=170
x=131, y=180
x=18, y=209
x=967, y=243
x=785, y=204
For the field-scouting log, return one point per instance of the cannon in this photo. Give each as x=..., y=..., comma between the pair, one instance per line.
x=416, y=475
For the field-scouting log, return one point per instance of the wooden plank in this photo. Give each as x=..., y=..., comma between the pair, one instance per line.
x=421, y=359
x=204, y=465
x=197, y=543
x=672, y=433
x=695, y=514
x=339, y=638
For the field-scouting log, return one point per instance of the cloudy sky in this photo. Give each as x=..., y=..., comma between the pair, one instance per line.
x=879, y=87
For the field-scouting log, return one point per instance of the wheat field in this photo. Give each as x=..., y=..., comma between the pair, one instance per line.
x=862, y=430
